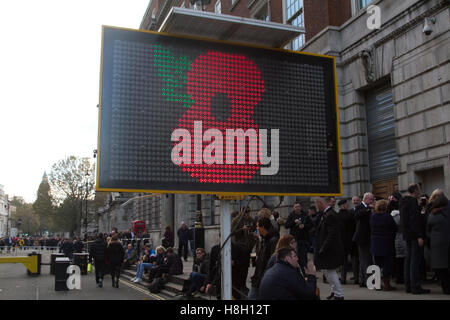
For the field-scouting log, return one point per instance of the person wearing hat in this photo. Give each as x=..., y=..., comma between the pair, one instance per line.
x=348, y=225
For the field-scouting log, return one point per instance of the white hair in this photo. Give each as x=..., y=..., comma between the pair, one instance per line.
x=367, y=195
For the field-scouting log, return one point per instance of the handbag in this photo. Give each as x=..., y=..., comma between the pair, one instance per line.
x=89, y=267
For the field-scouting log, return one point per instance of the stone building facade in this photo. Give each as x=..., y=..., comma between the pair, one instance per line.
x=4, y=214
x=393, y=88
x=393, y=95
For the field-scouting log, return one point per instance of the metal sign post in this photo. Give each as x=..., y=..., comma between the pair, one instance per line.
x=225, y=229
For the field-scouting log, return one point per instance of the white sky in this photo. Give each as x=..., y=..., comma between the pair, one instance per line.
x=49, y=82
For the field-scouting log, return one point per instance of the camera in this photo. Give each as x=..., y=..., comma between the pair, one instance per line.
x=423, y=201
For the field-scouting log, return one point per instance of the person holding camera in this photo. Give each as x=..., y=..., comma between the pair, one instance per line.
x=284, y=280
x=299, y=223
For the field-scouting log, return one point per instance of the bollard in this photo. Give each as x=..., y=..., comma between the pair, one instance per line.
x=38, y=264
x=61, y=275
x=53, y=256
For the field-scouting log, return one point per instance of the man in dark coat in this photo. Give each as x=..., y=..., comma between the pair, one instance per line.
x=266, y=248
x=329, y=248
x=243, y=239
x=97, y=252
x=284, y=280
x=412, y=227
x=183, y=239
x=348, y=226
x=173, y=262
x=362, y=235
x=356, y=201
x=67, y=248
x=299, y=223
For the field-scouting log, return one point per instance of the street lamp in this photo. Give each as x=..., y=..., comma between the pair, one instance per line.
x=87, y=190
x=7, y=219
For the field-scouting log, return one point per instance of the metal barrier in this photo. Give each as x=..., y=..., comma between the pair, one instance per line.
x=31, y=262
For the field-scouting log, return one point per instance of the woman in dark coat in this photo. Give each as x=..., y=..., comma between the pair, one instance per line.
x=97, y=252
x=115, y=254
x=382, y=247
x=167, y=241
x=437, y=230
x=329, y=247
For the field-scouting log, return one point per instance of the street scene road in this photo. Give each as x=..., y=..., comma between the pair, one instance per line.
x=15, y=284
x=226, y=150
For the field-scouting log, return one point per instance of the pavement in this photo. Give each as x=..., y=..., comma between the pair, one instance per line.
x=355, y=292
x=15, y=284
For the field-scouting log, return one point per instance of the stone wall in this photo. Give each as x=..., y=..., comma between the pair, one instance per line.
x=417, y=68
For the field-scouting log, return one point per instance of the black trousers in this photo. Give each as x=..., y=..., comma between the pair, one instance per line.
x=412, y=265
x=355, y=267
x=157, y=272
x=183, y=249
x=302, y=253
x=365, y=260
x=399, y=267
x=444, y=277
x=99, y=270
x=242, y=272
x=385, y=264
x=344, y=269
x=115, y=271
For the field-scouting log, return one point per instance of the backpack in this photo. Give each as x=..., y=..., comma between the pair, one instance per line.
x=156, y=285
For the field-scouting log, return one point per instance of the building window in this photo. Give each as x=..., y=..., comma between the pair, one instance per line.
x=218, y=7
x=358, y=5
x=294, y=16
x=363, y=3
x=263, y=13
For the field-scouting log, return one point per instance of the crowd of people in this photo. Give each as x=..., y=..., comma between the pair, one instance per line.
x=405, y=236
x=40, y=243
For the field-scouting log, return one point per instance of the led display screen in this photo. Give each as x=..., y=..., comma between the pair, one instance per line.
x=187, y=115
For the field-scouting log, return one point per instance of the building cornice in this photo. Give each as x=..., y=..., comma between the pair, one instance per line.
x=392, y=35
